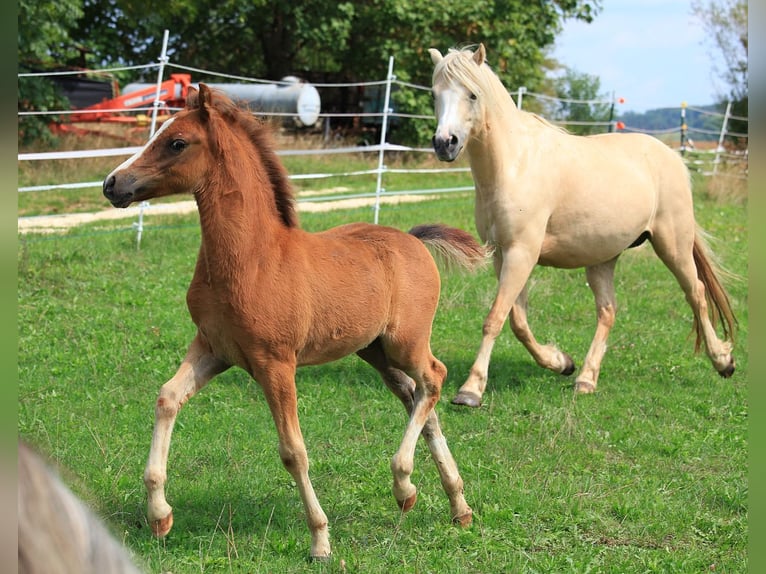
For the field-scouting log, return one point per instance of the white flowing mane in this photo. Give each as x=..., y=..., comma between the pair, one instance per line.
x=458, y=67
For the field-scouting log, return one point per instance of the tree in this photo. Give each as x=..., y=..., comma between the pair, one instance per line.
x=351, y=39
x=726, y=23
x=328, y=40
x=44, y=43
x=581, y=103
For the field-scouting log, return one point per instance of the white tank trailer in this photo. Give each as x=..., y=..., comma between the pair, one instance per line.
x=290, y=96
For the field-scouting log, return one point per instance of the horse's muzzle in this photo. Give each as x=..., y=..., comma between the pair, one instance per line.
x=115, y=197
x=447, y=149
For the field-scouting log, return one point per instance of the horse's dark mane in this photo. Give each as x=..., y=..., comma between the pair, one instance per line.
x=261, y=136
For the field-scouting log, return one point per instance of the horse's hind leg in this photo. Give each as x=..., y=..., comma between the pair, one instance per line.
x=680, y=260
x=601, y=281
x=197, y=368
x=405, y=389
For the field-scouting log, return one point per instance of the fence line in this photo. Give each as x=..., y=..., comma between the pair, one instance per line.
x=385, y=116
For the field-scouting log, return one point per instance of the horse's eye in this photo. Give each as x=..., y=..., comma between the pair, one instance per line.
x=178, y=145
x=473, y=97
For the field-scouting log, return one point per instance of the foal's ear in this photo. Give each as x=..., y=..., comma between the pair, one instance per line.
x=192, y=98
x=480, y=55
x=205, y=100
x=436, y=55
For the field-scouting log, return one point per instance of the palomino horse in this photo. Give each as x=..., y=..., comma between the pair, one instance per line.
x=269, y=297
x=547, y=197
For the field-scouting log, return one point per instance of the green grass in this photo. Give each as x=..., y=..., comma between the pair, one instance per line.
x=647, y=475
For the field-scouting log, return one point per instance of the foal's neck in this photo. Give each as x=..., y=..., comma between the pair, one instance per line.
x=240, y=225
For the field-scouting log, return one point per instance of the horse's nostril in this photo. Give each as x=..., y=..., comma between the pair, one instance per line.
x=109, y=185
x=453, y=140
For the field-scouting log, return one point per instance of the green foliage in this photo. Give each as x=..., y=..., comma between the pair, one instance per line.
x=574, y=85
x=647, y=475
x=44, y=43
x=321, y=40
x=37, y=94
x=726, y=24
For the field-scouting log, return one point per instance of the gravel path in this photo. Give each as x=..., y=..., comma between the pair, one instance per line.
x=63, y=222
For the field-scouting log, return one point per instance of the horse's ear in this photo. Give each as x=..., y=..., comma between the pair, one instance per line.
x=436, y=55
x=480, y=55
x=205, y=99
x=192, y=98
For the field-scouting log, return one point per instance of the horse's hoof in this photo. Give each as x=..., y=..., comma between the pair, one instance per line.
x=162, y=526
x=463, y=520
x=728, y=370
x=408, y=503
x=584, y=387
x=569, y=367
x=467, y=399
x=320, y=557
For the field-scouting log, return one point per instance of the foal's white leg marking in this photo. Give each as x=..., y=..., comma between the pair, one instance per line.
x=451, y=481
x=132, y=159
x=403, y=462
x=428, y=387
x=278, y=384
x=404, y=387
x=601, y=281
x=197, y=368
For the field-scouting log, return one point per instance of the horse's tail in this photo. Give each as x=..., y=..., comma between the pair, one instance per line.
x=718, y=302
x=453, y=247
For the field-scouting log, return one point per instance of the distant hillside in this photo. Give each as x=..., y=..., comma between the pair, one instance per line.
x=702, y=126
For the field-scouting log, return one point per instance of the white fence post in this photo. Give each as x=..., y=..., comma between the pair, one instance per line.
x=520, y=96
x=139, y=225
x=724, y=126
x=383, y=127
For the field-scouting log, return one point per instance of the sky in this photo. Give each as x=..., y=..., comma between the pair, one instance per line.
x=653, y=53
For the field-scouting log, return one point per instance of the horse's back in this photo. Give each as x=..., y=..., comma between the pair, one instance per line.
x=663, y=169
x=366, y=281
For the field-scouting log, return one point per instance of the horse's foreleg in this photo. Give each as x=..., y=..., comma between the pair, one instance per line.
x=513, y=267
x=278, y=385
x=197, y=368
x=601, y=281
x=547, y=356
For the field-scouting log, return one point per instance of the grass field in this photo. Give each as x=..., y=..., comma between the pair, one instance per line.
x=647, y=475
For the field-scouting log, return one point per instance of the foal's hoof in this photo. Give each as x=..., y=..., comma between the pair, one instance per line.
x=728, y=370
x=463, y=520
x=467, y=399
x=162, y=526
x=408, y=503
x=584, y=388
